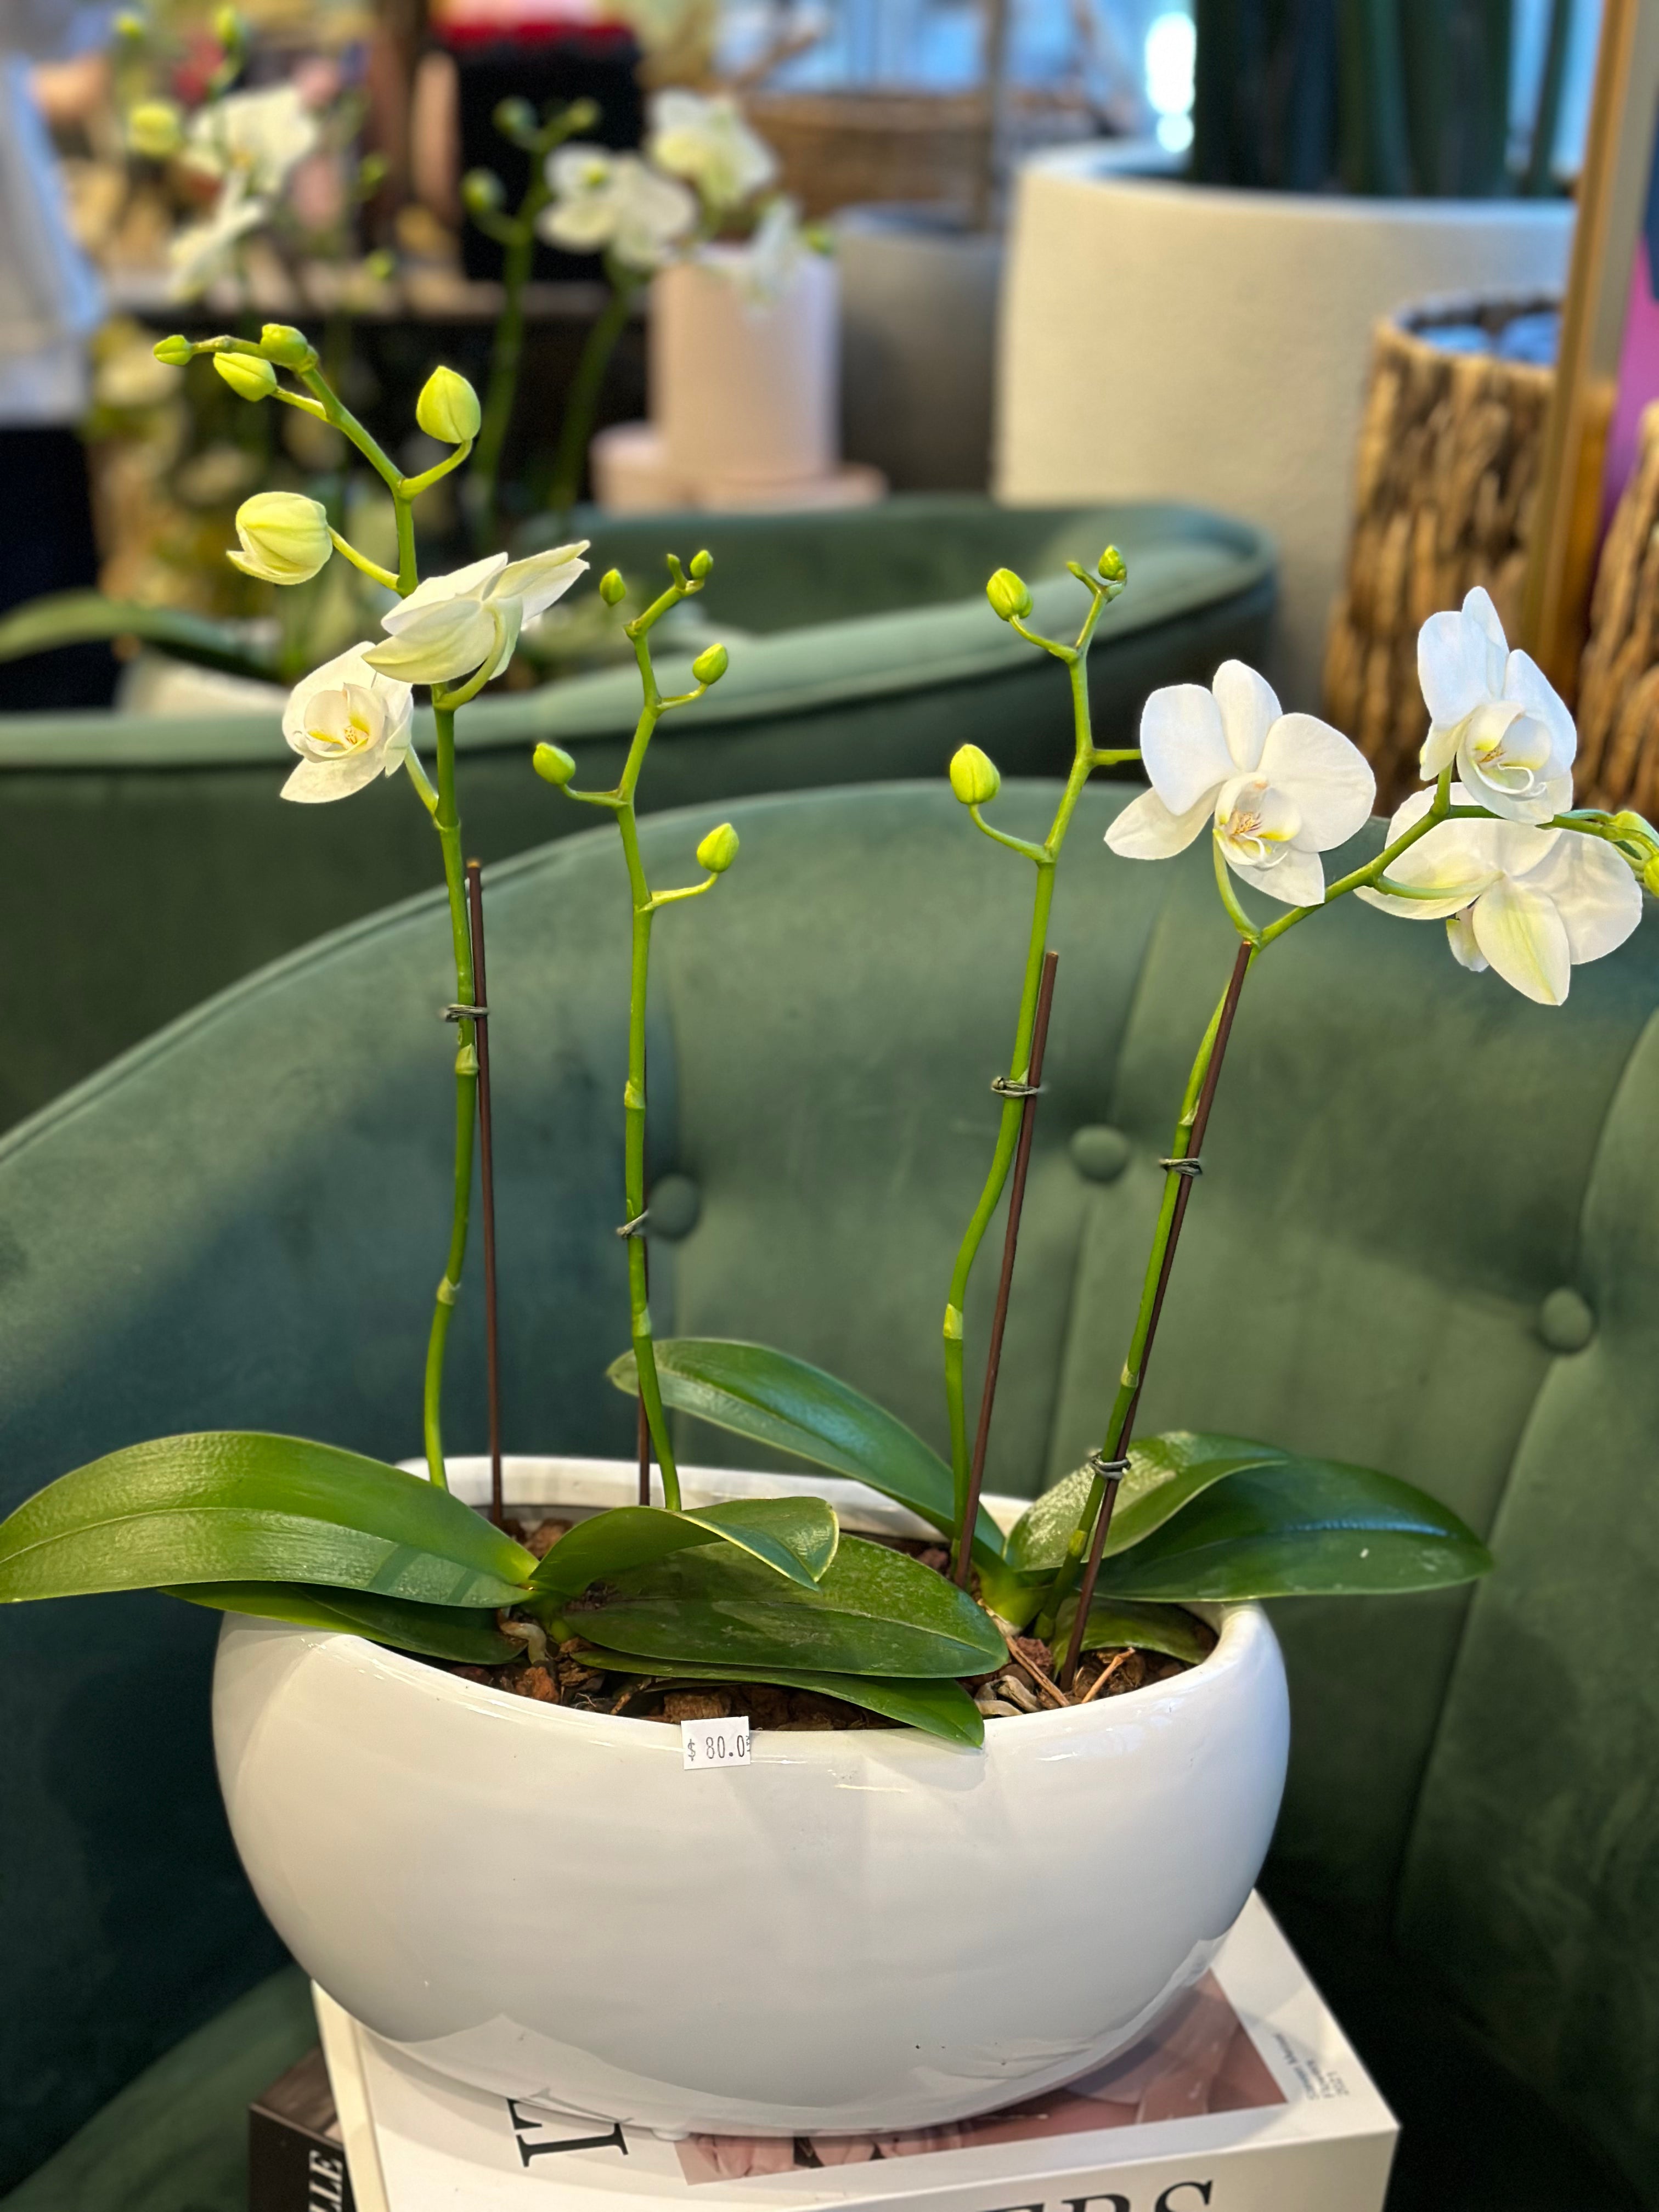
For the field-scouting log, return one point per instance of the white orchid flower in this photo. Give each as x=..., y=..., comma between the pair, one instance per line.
x=765, y=268
x=452, y=625
x=1280, y=789
x=606, y=202
x=203, y=251
x=706, y=141
x=1494, y=713
x=256, y=137
x=1531, y=903
x=348, y=723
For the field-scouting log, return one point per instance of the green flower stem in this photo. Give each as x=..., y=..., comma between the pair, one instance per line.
x=582, y=405
x=361, y=561
x=447, y=822
x=516, y=235
x=645, y=903
x=1044, y=857
x=1152, y=1285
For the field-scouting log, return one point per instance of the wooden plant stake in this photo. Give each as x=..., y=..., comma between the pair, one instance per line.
x=487, y=1178
x=1188, y=1170
x=1004, y=1282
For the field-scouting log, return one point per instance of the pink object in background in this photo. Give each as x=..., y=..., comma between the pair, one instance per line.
x=1638, y=357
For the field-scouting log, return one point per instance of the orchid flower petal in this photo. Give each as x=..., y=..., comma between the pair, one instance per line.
x=315, y=782
x=1439, y=750
x=1459, y=935
x=468, y=583
x=1521, y=932
x=1248, y=708
x=442, y=643
x=545, y=577
x=1526, y=682
x=1597, y=897
x=1296, y=876
x=1147, y=830
x=1481, y=616
x=1183, y=748
x=1329, y=779
x=1451, y=666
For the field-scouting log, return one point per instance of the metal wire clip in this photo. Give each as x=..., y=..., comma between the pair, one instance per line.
x=1108, y=1470
x=1188, y=1167
x=637, y=1226
x=1006, y=1087
x=467, y=1013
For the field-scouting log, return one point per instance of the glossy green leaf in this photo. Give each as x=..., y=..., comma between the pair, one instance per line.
x=777, y=1399
x=440, y=1631
x=1165, y=1475
x=876, y=1611
x=1303, y=1528
x=795, y=1536
x=230, y=1506
x=1115, y=1621
x=76, y=617
x=941, y=1708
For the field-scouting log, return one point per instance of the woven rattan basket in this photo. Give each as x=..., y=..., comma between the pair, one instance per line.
x=1446, y=482
x=844, y=148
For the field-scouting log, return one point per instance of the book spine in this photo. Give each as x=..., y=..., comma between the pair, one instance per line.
x=291, y=2170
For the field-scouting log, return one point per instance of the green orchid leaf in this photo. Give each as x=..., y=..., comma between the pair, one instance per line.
x=1305, y=1527
x=1013, y=1597
x=76, y=617
x=1165, y=1475
x=231, y=1506
x=1115, y=1621
x=795, y=1536
x=876, y=1611
x=777, y=1399
x=942, y=1709
x=440, y=1631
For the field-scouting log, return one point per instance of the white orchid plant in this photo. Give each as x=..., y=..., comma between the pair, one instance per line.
x=233, y=156
x=702, y=176
x=1121, y=1557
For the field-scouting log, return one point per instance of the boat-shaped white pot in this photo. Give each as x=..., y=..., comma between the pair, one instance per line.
x=861, y=1929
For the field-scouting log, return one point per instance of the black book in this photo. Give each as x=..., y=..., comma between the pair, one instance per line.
x=295, y=2157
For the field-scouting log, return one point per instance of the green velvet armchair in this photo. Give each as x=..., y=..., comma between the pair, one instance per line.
x=1427, y=1241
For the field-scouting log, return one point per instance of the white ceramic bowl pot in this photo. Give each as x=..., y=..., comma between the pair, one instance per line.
x=861, y=1929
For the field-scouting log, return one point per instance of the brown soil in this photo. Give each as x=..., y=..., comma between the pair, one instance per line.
x=559, y=1676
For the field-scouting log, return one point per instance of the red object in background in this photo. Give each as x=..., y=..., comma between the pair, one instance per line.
x=459, y=23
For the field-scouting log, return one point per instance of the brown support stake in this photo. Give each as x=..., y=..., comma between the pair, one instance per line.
x=487, y=1178
x=1121, y=1448
x=1011, y=1239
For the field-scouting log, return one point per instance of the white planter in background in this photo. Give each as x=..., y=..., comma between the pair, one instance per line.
x=861, y=1929
x=1172, y=341
x=745, y=392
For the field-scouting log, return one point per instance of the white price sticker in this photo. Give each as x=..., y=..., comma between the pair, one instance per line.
x=716, y=1743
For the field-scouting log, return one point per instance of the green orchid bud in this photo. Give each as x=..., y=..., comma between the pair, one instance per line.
x=1112, y=567
x=515, y=119
x=287, y=347
x=155, y=129
x=1651, y=876
x=580, y=115
x=448, y=409
x=612, y=590
x=285, y=537
x=372, y=172
x=247, y=374
x=553, y=764
x=483, y=192
x=718, y=849
x=974, y=775
x=129, y=25
x=381, y=264
x=700, y=563
x=711, y=664
x=174, y=351
x=1008, y=595
x=229, y=30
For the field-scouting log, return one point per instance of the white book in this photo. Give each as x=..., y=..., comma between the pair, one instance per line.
x=1247, y=2098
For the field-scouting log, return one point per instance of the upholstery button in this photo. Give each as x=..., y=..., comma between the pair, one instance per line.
x=675, y=1203
x=1566, y=1321
x=1100, y=1152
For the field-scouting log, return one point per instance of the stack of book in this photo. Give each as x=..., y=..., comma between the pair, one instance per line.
x=1246, y=2098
